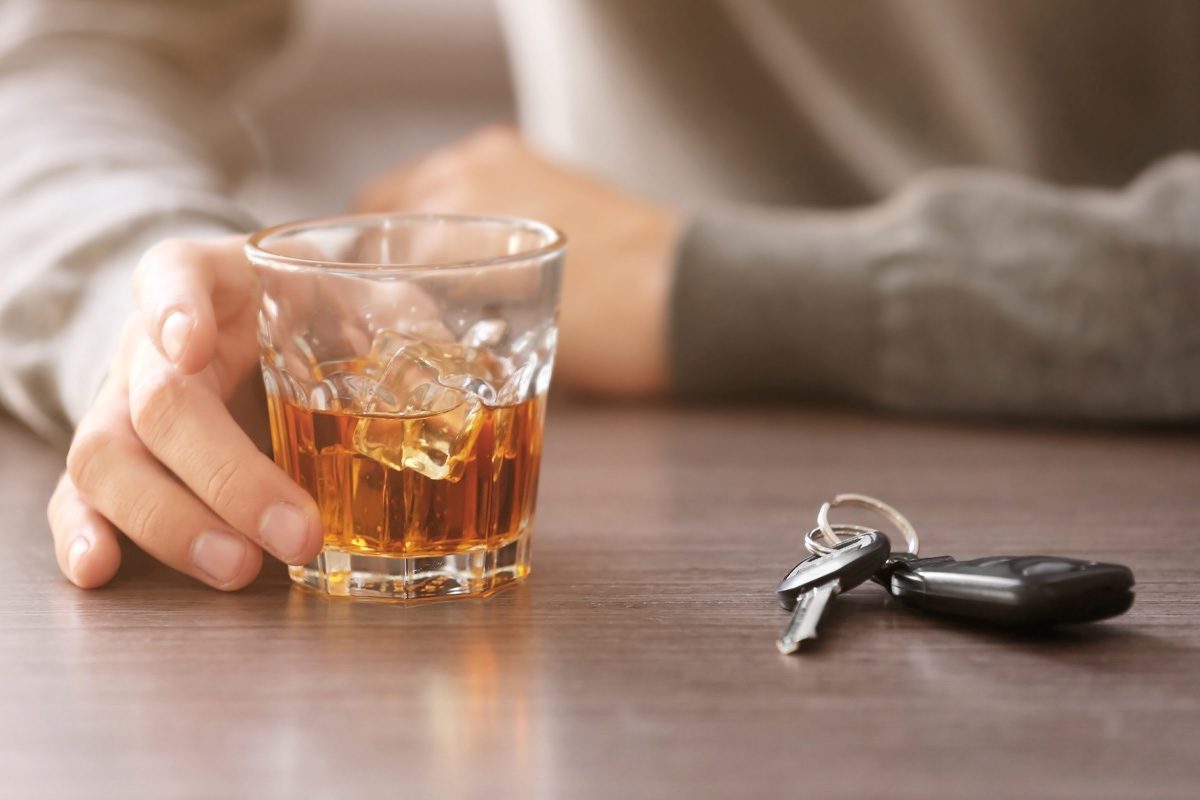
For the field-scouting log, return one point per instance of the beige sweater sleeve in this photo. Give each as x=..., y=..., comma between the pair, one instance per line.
x=968, y=293
x=116, y=135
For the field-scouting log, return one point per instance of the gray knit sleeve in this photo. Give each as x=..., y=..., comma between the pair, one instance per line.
x=968, y=293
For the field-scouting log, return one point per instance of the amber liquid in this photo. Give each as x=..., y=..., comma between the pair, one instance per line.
x=377, y=504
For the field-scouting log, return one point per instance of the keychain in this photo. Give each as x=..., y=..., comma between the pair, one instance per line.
x=1010, y=591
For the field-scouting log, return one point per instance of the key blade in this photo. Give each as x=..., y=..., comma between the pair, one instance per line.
x=806, y=617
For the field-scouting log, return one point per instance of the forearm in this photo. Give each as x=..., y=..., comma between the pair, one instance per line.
x=969, y=293
x=117, y=146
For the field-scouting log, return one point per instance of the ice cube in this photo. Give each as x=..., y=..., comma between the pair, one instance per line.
x=486, y=333
x=347, y=392
x=540, y=340
x=415, y=420
x=520, y=385
x=404, y=363
x=478, y=371
x=430, y=330
x=435, y=443
x=388, y=344
x=413, y=366
x=477, y=385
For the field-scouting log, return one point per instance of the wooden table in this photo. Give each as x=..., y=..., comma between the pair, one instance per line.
x=639, y=660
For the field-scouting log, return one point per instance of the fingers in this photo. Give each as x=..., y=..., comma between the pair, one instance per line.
x=184, y=423
x=160, y=457
x=85, y=542
x=185, y=289
x=116, y=478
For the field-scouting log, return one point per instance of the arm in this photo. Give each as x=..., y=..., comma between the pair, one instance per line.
x=117, y=109
x=967, y=293
x=118, y=136
x=970, y=292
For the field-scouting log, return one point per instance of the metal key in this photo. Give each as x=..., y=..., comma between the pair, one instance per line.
x=808, y=587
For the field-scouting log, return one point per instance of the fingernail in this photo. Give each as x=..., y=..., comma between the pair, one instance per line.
x=219, y=556
x=284, y=530
x=176, y=329
x=79, y=547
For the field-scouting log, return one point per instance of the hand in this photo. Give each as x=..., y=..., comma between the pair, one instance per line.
x=171, y=452
x=613, y=325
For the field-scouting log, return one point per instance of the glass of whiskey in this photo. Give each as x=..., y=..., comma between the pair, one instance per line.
x=406, y=361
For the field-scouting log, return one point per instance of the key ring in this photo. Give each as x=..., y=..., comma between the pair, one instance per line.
x=814, y=546
x=829, y=532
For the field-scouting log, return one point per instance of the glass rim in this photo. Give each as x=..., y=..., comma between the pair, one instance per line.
x=259, y=254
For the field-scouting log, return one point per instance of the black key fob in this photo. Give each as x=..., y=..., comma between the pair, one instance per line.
x=1014, y=591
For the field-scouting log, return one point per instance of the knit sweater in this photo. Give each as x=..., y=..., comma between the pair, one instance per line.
x=946, y=206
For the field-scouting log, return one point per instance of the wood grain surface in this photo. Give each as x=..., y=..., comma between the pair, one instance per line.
x=638, y=661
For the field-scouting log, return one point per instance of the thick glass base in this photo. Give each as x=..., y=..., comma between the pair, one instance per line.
x=340, y=573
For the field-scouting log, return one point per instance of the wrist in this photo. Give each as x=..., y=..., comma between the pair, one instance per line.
x=615, y=313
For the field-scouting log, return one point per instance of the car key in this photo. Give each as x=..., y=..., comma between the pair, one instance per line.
x=808, y=587
x=1010, y=591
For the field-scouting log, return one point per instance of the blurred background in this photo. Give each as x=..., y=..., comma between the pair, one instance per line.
x=329, y=115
